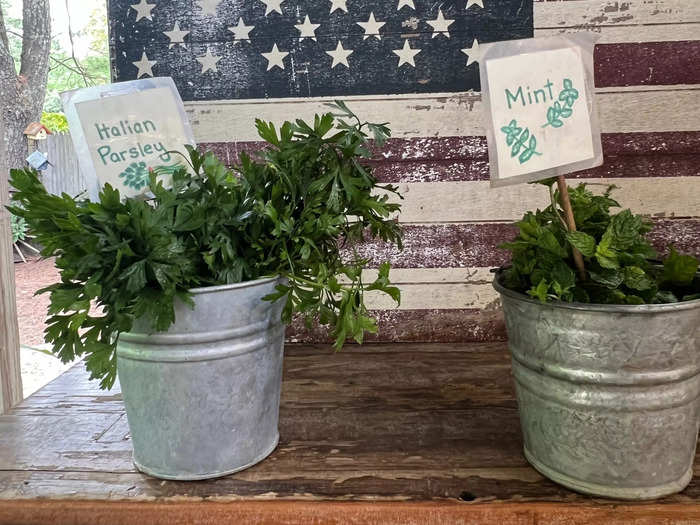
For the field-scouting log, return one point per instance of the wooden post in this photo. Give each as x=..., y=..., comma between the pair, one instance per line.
x=570, y=223
x=10, y=374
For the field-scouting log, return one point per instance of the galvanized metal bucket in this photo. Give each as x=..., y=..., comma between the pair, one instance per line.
x=202, y=399
x=609, y=396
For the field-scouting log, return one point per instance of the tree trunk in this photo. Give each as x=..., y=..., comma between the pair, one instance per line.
x=21, y=99
x=22, y=95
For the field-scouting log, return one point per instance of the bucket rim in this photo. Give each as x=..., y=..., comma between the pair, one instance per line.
x=235, y=286
x=593, y=307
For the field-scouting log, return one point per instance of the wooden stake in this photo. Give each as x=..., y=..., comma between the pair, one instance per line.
x=10, y=374
x=570, y=223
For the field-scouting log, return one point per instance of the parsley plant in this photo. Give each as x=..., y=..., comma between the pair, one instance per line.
x=287, y=212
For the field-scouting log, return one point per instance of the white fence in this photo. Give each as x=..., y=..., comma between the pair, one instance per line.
x=64, y=175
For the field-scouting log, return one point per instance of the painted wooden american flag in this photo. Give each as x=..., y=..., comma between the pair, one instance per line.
x=414, y=64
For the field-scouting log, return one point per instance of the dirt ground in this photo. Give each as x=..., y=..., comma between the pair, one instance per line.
x=31, y=311
x=37, y=367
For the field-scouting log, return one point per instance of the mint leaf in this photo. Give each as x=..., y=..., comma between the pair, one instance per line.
x=549, y=242
x=604, y=253
x=540, y=291
x=582, y=242
x=609, y=278
x=637, y=279
x=680, y=270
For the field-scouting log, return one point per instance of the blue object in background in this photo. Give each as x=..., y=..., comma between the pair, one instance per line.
x=38, y=161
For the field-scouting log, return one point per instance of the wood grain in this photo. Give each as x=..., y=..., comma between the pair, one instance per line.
x=628, y=110
x=587, y=13
x=464, y=325
x=10, y=376
x=647, y=63
x=656, y=145
x=337, y=513
x=468, y=245
x=373, y=434
x=439, y=202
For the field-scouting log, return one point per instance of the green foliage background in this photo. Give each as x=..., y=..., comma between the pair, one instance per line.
x=64, y=72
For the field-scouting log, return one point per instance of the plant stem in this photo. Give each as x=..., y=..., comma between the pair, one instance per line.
x=571, y=223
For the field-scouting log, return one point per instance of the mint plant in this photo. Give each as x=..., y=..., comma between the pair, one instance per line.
x=285, y=213
x=619, y=260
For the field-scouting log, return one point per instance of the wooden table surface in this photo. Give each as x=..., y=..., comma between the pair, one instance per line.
x=376, y=434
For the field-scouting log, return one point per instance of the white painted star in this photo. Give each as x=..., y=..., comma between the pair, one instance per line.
x=307, y=29
x=143, y=10
x=272, y=5
x=208, y=7
x=275, y=58
x=470, y=3
x=145, y=66
x=177, y=37
x=407, y=54
x=339, y=4
x=208, y=62
x=241, y=31
x=340, y=55
x=440, y=25
x=371, y=27
x=403, y=3
x=473, y=53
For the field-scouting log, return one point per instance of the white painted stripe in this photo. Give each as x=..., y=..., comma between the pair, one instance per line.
x=436, y=296
x=630, y=34
x=434, y=202
x=436, y=288
x=621, y=22
x=475, y=275
x=582, y=13
x=442, y=115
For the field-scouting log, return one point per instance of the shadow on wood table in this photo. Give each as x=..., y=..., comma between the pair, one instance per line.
x=410, y=433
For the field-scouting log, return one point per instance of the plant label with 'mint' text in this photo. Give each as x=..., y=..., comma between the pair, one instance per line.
x=540, y=114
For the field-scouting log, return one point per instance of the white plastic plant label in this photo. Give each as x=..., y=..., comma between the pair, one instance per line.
x=540, y=108
x=121, y=131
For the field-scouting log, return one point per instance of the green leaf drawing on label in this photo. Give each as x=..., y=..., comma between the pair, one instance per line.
x=520, y=141
x=169, y=169
x=558, y=111
x=135, y=175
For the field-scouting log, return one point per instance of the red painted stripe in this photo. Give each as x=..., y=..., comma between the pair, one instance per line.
x=419, y=326
x=469, y=245
x=647, y=63
x=477, y=169
x=474, y=147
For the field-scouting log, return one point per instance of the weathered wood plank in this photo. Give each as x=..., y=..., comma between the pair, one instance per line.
x=464, y=325
x=628, y=110
x=433, y=202
x=647, y=63
x=478, y=169
x=586, y=13
x=401, y=434
x=616, y=34
x=335, y=513
x=468, y=245
x=10, y=376
x=445, y=149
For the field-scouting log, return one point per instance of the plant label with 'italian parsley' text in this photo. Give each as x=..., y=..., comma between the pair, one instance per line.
x=121, y=131
x=539, y=101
